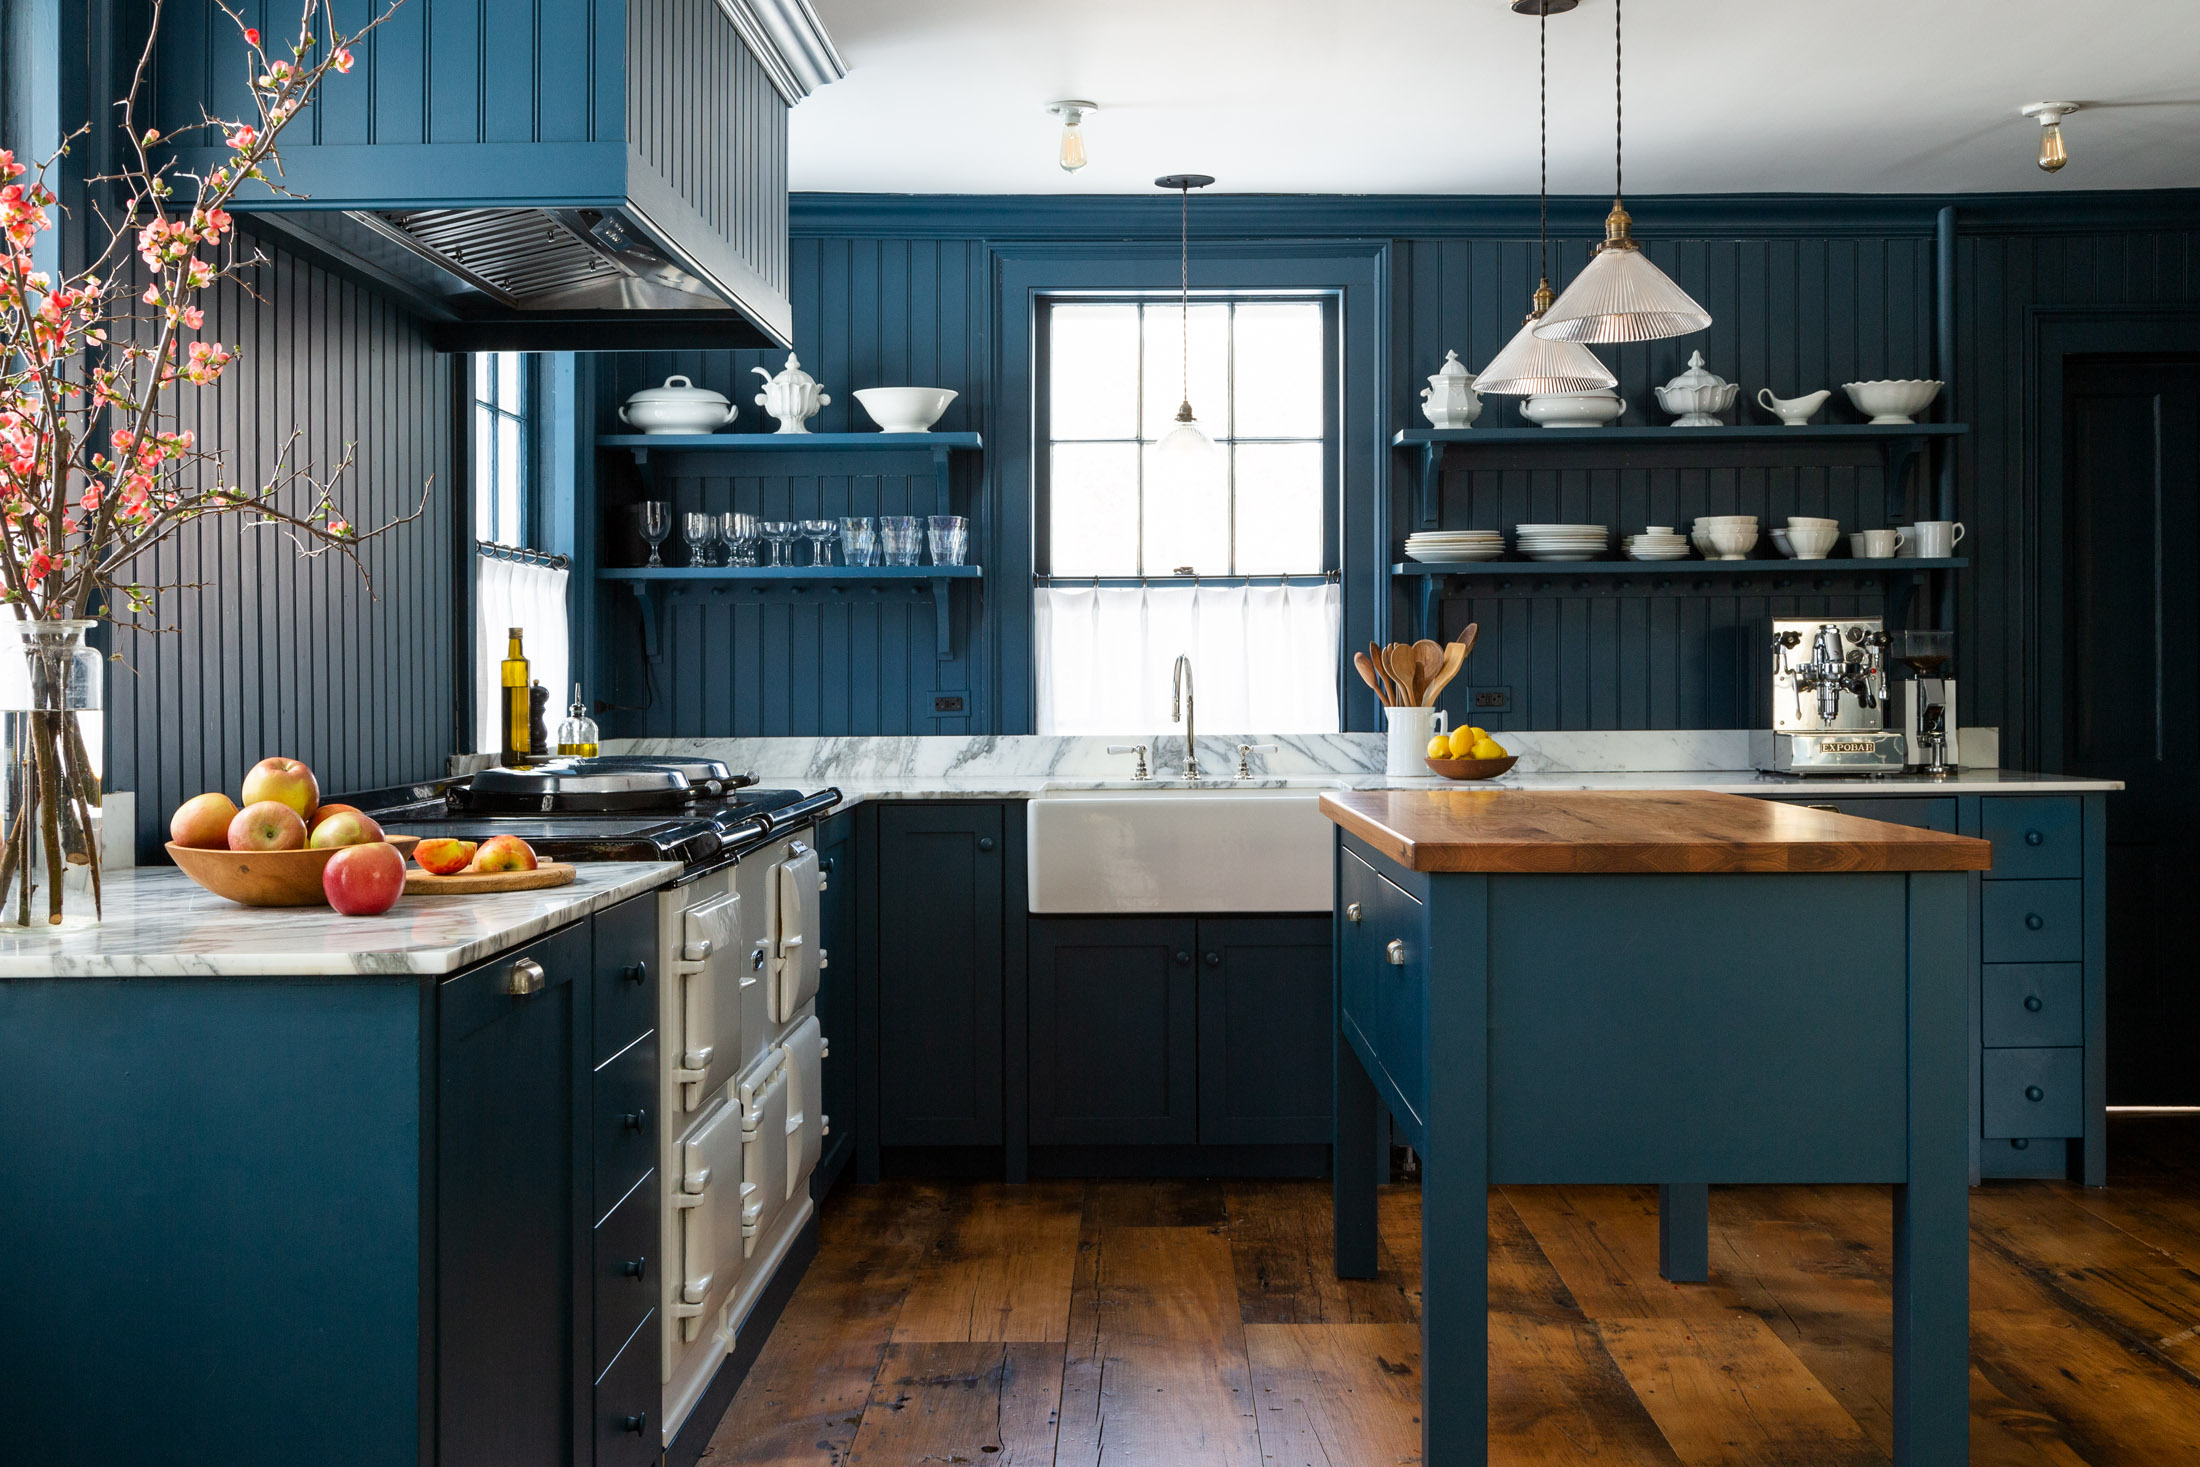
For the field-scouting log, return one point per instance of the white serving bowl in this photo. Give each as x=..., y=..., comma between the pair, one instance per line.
x=677, y=407
x=1733, y=542
x=905, y=409
x=1812, y=522
x=1811, y=542
x=1892, y=401
x=1573, y=409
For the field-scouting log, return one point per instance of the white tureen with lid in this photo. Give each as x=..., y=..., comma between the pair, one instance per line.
x=1449, y=400
x=1697, y=394
x=677, y=407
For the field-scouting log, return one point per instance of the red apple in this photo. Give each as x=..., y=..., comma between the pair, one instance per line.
x=323, y=812
x=203, y=821
x=364, y=881
x=285, y=781
x=504, y=853
x=444, y=856
x=267, y=826
x=344, y=828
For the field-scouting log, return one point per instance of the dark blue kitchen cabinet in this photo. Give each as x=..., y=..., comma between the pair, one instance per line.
x=933, y=974
x=1114, y=1043
x=836, y=993
x=1264, y=1024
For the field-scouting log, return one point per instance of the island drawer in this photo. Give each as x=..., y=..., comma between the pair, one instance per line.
x=2032, y=1092
x=2032, y=921
x=2034, y=836
x=1937, y=812
x=626, y=978
x=625, y=1122
x=629, y=1430
x=2029, y=1004
x=625, y=1249
x=1383, y=967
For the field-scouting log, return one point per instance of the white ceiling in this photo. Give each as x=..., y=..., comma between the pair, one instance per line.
x=1438, y=96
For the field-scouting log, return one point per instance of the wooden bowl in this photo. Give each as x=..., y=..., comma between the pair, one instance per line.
x=266, y=878
x=1473, y=768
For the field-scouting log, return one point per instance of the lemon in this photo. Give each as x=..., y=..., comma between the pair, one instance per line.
x=1439, y=747
x=1479, y=733
x=1462, y=739
x=1488, y=749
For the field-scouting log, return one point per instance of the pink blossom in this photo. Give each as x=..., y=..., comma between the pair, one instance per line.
x=251, y=35
x=342, y=59
x=243, y=138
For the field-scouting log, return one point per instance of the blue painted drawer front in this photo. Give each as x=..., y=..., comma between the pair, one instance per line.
x=628, y=1430
x=626, y=985
x=1936, y=812
x=2032, y=921
x=625, y=1123
x=2034, y=836
x=1387, y=1001
x=2030, y=1004
x=624, y=1247
x=2033, y=1092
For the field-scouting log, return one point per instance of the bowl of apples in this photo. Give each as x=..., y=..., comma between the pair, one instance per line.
x=279, y=846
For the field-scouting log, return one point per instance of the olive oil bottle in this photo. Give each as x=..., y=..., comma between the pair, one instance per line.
x=515, y=712
x=577, y=735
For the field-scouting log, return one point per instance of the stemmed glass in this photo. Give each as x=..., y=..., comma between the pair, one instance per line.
x=821, y=534
x=699, y=529
x=779, y=534
x=737, y=530
x=655, y=519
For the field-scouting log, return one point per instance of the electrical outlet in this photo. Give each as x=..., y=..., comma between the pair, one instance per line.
x=1493, y=700
x=950, y=704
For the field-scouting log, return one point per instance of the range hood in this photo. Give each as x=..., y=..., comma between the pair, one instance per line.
x=615, y=176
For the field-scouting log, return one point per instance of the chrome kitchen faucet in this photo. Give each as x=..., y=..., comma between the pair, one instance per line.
x=1180, y=711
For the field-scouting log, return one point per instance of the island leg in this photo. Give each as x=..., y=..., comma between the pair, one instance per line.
x=1932, y=1345
x=1354, y=1162
x=1455, y=1178
x=1684, y=1232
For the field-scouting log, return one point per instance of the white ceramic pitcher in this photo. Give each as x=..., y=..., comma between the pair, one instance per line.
x=1410, y=731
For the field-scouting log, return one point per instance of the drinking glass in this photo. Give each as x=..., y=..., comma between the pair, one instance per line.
x=655, y=519
x=821, y=534
x=738, y=531
x=858, y=541
x=950, y=537
x=700, y=530
x=903, y=537
x=779, y=534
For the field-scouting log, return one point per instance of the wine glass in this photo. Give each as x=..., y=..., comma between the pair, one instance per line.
x=779, y=534
x=655, y=519
x=699, y=529
x=734, y=530
x=821, y=534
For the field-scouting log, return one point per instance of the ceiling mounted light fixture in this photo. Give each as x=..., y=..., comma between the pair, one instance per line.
x=1529, y=364
x=1621, y=296
x=1187, y=442
x=1071, y=155
x=2051, y=114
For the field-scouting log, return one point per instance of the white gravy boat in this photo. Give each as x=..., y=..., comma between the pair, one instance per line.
x=1793, y=411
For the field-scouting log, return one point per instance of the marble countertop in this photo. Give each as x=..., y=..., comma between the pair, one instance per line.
x=159, y=924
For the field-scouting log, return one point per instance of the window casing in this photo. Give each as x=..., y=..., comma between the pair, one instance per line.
x=503, y=398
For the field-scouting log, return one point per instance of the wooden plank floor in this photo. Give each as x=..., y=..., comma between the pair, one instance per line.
x=1168, y=1324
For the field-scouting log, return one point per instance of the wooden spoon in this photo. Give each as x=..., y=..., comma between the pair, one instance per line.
x=1398, y=657
x=1467, y=638
x=1383, y=689
x=1368, y=674
x=1428, y=660
x=1455, y=657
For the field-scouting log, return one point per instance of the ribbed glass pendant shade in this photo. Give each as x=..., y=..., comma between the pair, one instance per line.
x=1621, y=296
x=1529, y=364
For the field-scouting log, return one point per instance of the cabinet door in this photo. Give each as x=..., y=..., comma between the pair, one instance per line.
x=836, y=985
x=1114, y=1052
x=1264, y=1027
x=511, y=1115
x=940, y=974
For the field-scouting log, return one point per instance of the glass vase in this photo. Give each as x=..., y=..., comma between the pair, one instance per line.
x=53, y=686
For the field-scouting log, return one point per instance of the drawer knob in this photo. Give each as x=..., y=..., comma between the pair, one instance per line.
x=1352, y=912
x=635, y=1268
x=985, y=842
x=1183, y=958
x=2032, y=1003
x=2034, y=838
x=1397, y=952
x=2034, y=921
x=634, y=1120
x=634, y=973
x=637, y=1423
x=526, y=977
x=2033, y=1092
x=1212, y=960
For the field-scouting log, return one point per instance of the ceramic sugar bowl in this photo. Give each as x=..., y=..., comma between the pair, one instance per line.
x=1698, y=395
x=1449, y=400
x=793, y=397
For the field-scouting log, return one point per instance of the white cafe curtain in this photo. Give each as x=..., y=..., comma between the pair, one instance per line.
x=1264, y=658
x=507, y=594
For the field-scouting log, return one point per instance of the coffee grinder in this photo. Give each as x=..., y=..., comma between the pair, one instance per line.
x=1929, y=702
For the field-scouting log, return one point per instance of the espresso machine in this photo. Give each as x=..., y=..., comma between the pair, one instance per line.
x=1829, y=696
x=1929, y=702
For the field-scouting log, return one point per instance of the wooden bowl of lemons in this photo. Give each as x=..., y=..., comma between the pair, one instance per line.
x=1469, y=753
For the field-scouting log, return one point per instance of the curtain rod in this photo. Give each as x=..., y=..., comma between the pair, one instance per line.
x=490, y=550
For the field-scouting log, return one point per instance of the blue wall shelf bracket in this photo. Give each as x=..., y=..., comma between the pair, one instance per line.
x=650, y=581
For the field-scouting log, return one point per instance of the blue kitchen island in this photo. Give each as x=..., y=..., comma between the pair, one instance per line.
x=1635, y=987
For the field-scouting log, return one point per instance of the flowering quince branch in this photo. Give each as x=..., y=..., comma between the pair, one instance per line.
x=96, y=468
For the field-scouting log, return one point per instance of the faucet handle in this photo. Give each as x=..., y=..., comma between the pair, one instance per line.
x=1140, y=750
x=1245, y=770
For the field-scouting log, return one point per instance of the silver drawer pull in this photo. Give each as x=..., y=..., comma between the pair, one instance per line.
x=526, y=977
x=1397, y=951
x=1352, y=912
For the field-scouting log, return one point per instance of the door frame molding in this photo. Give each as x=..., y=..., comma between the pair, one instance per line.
x=2053, y=334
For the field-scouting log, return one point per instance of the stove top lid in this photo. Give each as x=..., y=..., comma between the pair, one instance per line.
x=615, y=783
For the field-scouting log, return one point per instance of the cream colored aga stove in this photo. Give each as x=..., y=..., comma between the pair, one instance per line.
x=740, y=1098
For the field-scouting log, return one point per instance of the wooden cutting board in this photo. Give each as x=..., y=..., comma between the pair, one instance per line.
x=470, y=883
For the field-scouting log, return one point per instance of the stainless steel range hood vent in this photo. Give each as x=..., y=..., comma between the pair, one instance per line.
x=547, y=259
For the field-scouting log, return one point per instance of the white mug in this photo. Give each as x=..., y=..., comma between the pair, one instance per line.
x=1877, y=544
x=1937, y=539
x=1410, y=731
x=1907, y=546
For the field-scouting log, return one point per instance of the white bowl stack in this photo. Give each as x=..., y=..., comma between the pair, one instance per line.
x=1811, y=537
x=1563, y=542
x=1725, y=536
x=1656, y=542
x=1446, y=545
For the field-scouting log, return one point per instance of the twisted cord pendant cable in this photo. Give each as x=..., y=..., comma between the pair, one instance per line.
x=1617, y=104
x=1543, y=140
x=1184, y=292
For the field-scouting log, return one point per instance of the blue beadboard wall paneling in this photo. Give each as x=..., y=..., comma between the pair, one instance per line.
x=265, y=652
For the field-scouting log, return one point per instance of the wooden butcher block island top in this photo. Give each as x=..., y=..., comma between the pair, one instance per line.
x=1621, y=831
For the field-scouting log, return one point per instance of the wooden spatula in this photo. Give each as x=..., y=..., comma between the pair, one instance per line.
x=1455, y=657
x=1466, y=639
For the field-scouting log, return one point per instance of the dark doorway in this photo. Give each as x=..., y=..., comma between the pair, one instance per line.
x=2131, y=443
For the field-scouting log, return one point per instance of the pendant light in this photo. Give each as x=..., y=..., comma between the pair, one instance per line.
x=1621, y=296
x=1529, y=364
x=1186, y=443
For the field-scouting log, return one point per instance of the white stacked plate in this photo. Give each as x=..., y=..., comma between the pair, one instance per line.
x=1658, y=542
x=1444, y=545
x=1563, y=542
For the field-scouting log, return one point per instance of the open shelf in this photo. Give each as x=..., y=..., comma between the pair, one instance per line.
x=1673, y=568
x=1747, y=433
x=647, y=582
x=803, y=453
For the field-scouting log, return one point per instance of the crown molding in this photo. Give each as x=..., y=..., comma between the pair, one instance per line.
x=789, y=41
